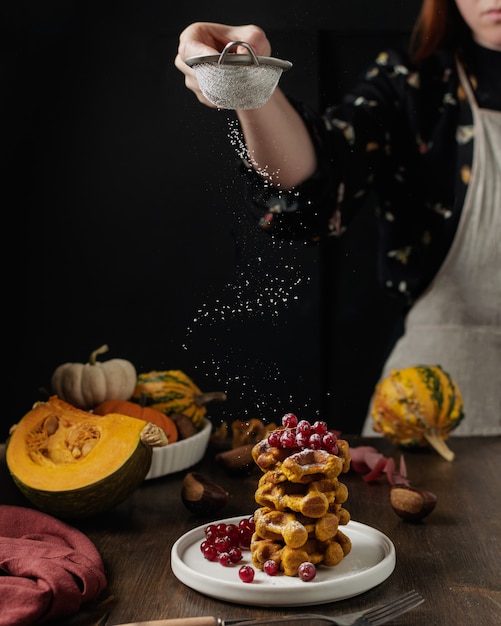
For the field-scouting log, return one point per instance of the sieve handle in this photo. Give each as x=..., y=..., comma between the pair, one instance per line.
x=232, y=44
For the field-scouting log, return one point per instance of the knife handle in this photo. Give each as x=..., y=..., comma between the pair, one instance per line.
x=179, y=621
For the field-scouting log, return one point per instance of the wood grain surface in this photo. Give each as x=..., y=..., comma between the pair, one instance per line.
x=452, y=557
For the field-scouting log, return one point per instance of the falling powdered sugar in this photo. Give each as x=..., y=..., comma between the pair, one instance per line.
x=250, y=346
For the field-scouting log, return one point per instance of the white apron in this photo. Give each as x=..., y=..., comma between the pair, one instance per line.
x=456, y=323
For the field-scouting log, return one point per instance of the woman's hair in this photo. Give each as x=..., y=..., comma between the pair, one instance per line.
x=439, y=25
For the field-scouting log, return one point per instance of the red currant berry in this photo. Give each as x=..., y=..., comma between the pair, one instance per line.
x=302, y=440
x=233, y=533
x=225, y=559
x=251, y=525
x=210, y=532
x=274, y=439
x=288, y=439
x=329, y=440
x=245, y=537
x=289, y=420
x=307, y=571
x=222, y=544
x=247, y=523
x=304, y=426
x=246, y=573
x=235, y=555
x=270, y=567
x=210, y=552
x=221, y=530
x=320, y=427
x=315, y=441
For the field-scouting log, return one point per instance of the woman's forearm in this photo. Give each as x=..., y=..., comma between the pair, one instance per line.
x=278, y=143
x=276, y=139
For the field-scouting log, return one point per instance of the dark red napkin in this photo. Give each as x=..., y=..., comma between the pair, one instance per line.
x=48, y=569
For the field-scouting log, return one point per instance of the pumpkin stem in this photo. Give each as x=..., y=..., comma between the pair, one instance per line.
x=101, y=350
x=153, y=436
x=439, y=444
x=201, y=399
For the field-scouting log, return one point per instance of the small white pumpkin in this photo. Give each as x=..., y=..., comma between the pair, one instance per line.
x=85, y=385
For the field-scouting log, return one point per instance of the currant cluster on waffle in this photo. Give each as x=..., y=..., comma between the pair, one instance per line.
x=300, y=496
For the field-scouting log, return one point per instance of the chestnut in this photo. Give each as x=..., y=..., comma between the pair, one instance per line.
x=410, y=503
x=237, y=460
x=201, y=496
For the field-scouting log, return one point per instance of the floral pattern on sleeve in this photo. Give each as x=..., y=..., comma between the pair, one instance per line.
x=402, y=135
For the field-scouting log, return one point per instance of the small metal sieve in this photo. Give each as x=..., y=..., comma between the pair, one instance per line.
x=238, y=81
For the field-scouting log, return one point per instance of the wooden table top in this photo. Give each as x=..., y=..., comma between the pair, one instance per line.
x=452, y=557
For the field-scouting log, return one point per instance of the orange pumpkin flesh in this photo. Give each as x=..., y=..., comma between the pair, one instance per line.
x=146, y=413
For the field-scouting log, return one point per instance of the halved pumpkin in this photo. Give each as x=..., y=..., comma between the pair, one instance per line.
x=71, y=463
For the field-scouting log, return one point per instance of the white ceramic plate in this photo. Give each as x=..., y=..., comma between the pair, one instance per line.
x=178, y=456
x=370, y=562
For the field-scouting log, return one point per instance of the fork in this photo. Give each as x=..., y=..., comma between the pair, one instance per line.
x=375, y=616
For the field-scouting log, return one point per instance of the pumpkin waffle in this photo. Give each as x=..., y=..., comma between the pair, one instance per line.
x=311, y=499
x=293, y=529
x=301, y=465
x=328, y=553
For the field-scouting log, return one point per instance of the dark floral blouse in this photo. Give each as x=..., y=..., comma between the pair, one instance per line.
x=403, y=134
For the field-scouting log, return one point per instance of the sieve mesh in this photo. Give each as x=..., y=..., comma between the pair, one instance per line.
x=238, y=81
x=233, y=87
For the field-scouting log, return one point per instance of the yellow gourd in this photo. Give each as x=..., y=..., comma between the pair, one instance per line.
x=173, y=391
x=418, y=406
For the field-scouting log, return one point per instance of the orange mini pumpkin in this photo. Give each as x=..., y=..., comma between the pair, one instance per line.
x=146, y=413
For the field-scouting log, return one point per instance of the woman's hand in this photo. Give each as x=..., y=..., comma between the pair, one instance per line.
x=208, y=38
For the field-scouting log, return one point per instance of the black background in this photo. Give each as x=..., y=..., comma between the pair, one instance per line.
x=123, y=218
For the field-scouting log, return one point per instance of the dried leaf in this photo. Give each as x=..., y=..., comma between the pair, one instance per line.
x=372, y=464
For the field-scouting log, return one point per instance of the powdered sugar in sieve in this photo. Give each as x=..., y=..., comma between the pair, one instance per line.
x=238, y=81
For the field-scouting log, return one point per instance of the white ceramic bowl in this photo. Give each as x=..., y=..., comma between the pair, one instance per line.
x=178, y=456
